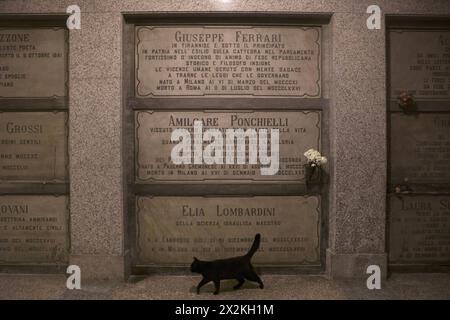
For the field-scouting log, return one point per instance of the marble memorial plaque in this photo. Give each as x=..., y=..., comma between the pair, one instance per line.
x=420, y=64
x=33, y=62
x=33, y=229
x=33, y=146
x=171, y=230
x=420, y=148
x=419, y=229
x=299, y=131
x=228, y=61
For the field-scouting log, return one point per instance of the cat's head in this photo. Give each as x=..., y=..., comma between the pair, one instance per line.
x=195, y=265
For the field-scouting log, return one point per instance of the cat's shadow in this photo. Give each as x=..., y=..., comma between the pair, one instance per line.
x=225, y=286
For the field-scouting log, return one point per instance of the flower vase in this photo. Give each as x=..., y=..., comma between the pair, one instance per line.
x=312, y=174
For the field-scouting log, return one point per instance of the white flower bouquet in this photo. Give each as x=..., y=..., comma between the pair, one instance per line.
x=315, y=159
x=314, y=162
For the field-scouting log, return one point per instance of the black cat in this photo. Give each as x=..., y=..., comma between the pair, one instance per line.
x=239, y=268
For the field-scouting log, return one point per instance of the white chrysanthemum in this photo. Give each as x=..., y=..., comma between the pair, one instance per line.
x=315, y=158
x=312, y=154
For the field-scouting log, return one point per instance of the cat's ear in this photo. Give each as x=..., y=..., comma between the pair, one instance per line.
x=195, y=259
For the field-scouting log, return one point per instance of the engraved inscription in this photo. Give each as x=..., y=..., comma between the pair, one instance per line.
x=33, y=229
x=32, y=63
x=33, y=146
x=228, y=61
x=420, y=148
x=420, y=64
x=171, y=230
x=420, y=229
x=299, y=131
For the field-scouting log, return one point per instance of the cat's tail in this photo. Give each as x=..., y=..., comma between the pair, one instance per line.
x=255, y=246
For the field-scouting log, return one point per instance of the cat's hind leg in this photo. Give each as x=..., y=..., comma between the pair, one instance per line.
x=252, y=276
x=201, y=284
x=217, y=285
x=241, y=282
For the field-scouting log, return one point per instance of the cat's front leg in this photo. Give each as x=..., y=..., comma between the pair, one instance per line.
x=201, y=284
x=217, y=285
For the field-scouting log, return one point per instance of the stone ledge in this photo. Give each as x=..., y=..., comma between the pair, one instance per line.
x=354, y=265
x=99, y=267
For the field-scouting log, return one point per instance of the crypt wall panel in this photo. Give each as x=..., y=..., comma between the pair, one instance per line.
x=34, y=155
x=242, y=75
x=419, y=161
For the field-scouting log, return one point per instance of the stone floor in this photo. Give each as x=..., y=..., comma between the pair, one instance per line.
x=398, y=286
